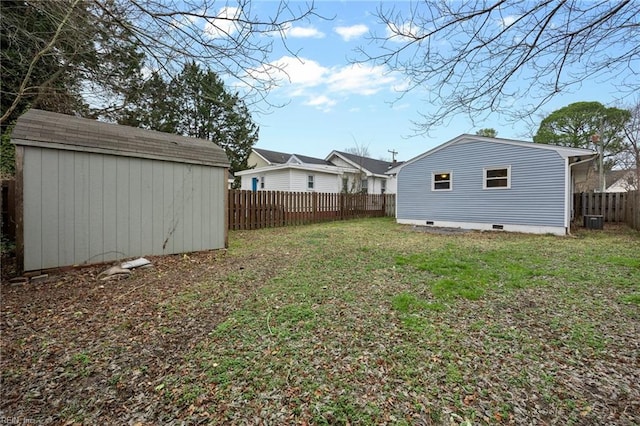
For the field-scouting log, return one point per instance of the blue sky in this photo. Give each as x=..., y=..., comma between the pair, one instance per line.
x=332, y=104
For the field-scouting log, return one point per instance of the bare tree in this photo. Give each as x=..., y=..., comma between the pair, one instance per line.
x=233, y=41
x=631, y=156
x=359, y=181
x=358, y=149
x=482, y=56
x=38, y=50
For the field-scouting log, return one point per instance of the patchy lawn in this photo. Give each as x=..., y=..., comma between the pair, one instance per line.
x=361, y=322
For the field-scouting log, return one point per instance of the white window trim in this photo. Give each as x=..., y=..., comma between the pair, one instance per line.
x=313, y=182
x=433, y=180
x=484, y=177
x=261, y=182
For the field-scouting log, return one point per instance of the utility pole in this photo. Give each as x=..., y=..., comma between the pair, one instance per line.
x=595, y=138
x=393, y=154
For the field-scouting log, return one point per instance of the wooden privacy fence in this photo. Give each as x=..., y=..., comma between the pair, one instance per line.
x=262, y=209
x=612, y=206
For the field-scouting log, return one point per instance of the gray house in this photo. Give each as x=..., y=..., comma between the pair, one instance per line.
x=91, y=192
x=483, y=183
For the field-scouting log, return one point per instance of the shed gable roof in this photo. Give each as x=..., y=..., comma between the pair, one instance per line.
x=52, y=130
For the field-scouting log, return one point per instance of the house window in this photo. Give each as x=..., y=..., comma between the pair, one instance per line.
x=497, y=177
x=441, y=181
x=310, y=182
x=345, y=184
x=261, y=182
x=364, y=183
x=383, y=186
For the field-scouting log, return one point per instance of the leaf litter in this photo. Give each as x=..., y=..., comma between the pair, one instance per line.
x=316, y=336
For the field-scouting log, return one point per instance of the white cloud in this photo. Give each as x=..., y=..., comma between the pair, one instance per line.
x=507, y=20
x=403, y=32
x=304, y=72
x=321, y=102
x=324, y=87
x=304, y=32
x=360, y=79
x=294, y=73
x=354, y=31
x=225, y=23
x=401, y=85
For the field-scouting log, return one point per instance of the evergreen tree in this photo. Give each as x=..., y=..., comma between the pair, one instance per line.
x=54, y=52
x=195, y=103
x=576, y=124
x=489, y=132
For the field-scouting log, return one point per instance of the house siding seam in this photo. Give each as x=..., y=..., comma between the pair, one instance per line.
x=536, y=196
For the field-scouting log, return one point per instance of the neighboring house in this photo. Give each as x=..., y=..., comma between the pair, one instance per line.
x=90, y=192
x=621, y=181
x=614, y=181
x=483, y=183
x=372, y=177
x=230, y=179
x=261, y=158
x=339, y=172
x=278, y=171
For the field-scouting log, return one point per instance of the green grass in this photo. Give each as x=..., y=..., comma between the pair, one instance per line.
x=361, y=304
x=369, y=322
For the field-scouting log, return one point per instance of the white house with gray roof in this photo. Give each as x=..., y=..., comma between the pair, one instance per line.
x=482, y=183
x=372, y=174
x=338, y=172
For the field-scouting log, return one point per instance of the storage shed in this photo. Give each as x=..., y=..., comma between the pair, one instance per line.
x=90, y=192
x=483, y=183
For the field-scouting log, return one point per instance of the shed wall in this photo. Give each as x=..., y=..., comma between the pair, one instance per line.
x=83, y=208
x=536, y=196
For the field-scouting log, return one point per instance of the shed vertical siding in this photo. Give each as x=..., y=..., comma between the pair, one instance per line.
x=147, y=210
x=89, y=208
x=66, y=210
x=536, y=196
x=81, y=211
x=32, y=178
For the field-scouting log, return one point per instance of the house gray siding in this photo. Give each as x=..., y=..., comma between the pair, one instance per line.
x=536, y=196
x=82, y=208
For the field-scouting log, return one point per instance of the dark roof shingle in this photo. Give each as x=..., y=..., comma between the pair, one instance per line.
x=53, y=130
x=275, y=157
x=378, y=167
